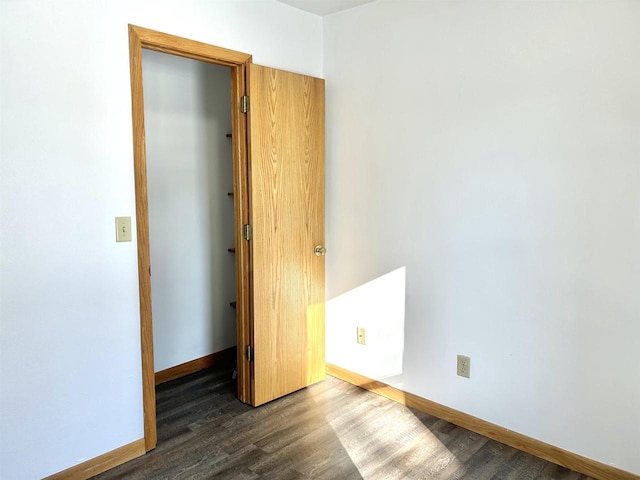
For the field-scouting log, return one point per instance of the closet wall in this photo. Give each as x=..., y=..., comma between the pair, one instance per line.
x=189, y=161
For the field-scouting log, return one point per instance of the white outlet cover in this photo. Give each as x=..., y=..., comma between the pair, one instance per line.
x=464, y=366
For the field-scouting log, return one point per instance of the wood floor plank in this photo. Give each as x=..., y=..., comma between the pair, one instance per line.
x=556, y=472
x=293, y=455
x=485, y=462
x=464, y=449
x=522, y=467
x=329, y=431
x=235, y=465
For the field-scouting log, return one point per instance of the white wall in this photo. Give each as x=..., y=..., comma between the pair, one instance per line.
x=491, y=148
x=69, y=320
x=189, y=172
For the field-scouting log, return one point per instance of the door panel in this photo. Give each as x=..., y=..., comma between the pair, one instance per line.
x=286, y=145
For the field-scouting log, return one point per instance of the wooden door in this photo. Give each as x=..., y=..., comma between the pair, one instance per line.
x=286, y=174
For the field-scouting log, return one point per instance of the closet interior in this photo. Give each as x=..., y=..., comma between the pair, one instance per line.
x=191, y=213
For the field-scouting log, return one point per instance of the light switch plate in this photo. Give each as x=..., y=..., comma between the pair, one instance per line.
x=123, y=229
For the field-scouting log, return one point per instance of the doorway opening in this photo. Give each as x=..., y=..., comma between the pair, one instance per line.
x=237, y=62
x=278, y=222
x=191, y=231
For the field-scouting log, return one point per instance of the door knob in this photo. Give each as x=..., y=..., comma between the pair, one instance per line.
x=320, y=251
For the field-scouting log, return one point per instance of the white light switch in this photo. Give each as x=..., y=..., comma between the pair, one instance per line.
x=123, y=229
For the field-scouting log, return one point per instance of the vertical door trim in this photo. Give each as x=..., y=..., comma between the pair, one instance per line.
x=140, y=38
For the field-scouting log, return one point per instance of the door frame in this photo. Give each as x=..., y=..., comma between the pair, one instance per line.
x=238, y=62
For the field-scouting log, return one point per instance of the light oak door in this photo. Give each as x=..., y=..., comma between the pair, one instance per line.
x=286, y=174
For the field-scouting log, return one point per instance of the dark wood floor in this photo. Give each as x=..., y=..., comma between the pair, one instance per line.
x=331, y=430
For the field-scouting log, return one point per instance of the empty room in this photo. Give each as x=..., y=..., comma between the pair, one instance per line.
x=305, y=239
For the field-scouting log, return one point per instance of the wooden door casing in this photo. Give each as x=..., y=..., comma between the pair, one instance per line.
x=140, y=38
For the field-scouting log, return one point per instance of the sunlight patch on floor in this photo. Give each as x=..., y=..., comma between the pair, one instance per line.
x=392, y=443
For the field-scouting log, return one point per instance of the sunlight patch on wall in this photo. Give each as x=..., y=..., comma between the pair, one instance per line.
x=379, y=307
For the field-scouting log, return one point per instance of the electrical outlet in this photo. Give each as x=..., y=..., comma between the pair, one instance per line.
x=464, y=366
x=361, y=336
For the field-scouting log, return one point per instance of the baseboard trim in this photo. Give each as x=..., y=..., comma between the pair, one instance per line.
x=221, y=359
x=530, y=445
x=101, y=463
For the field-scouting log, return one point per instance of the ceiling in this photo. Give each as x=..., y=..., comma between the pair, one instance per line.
x=324, y=7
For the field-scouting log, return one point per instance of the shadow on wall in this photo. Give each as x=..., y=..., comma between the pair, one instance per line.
x=379, y=307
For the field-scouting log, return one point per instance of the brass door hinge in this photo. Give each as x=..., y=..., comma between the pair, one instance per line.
x=247, y=232
x=244, y=104
x=248, y=353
